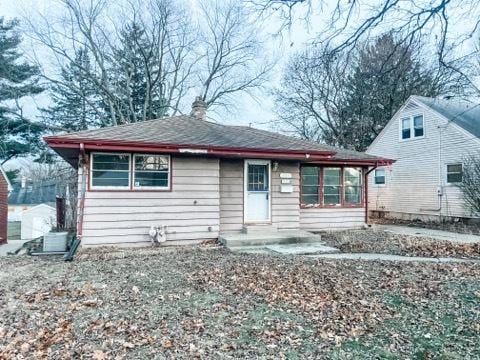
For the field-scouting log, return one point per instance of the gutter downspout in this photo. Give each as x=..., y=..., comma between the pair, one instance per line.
x=83, y=162
x=366, y=191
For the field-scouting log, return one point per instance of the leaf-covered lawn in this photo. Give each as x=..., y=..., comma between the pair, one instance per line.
x=209, y=303
x=372, y=241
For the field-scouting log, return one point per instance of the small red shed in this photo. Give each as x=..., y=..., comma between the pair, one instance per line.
x=5, y=188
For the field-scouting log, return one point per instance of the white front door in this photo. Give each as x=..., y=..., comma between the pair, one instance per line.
x=257, y=191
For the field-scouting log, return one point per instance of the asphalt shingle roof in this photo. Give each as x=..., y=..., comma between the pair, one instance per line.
x=189, y=131
x=464, y=114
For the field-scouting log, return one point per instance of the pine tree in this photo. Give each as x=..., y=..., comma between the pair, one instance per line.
x=136, y=75
x=18, y=135
x=75, y=102
x=384, y=75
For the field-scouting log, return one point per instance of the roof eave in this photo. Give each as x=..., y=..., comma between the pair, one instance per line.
x=57, y=143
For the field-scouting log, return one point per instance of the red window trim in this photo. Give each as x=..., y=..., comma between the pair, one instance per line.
x=131, y=188
x=342, y=204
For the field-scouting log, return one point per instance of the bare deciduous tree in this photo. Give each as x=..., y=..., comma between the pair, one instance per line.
x=345, y=99
x=149, y=55
x=349, y=23
x=232, y=53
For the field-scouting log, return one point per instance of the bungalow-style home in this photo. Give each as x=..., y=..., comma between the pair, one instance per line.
x=5, y=188
x=429, y=139
x=198, y=179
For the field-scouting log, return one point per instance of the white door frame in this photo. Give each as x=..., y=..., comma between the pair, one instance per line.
x=245, y=190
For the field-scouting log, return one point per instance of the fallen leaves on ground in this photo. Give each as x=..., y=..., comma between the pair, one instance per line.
x=210, y=303
x=371, y=241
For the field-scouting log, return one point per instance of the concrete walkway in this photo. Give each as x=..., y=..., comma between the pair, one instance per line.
x=430, y=233
x=387, y=257
x=12, y=245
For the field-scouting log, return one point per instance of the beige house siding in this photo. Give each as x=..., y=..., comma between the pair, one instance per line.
x=285, y=206
x=206, y=198
x=412, y=182
x=191, y=210
x=318, y=219
x=231, y=195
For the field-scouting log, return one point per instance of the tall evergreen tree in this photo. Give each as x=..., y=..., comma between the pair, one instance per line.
x=75, y=101
x=384, y=75
x=138, y=78
x=18, y=135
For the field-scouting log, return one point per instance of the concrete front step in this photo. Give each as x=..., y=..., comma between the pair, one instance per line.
x=259, y=229
x=272, y=238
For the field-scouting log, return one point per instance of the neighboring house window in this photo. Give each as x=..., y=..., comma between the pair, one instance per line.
x=331, y=186
x=379, y=178
x=110, y=171
x=151, y=171
x=310, y=184
x=412, y=127
x=454, y=173
x=418, y=126
x=406, y=128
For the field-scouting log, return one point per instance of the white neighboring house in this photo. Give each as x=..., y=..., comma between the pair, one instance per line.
x=37, y=221
x=429, y=140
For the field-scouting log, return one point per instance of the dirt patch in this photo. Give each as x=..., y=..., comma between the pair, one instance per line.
x=372, y=241
x=210, y=303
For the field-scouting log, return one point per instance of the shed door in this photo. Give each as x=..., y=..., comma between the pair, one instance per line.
x=257, y=191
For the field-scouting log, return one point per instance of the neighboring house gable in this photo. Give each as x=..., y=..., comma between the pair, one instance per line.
x=417, y=182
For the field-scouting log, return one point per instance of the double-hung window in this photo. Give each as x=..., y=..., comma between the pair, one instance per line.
x=379, y=177
x=331, y=186
x=454, y=173
x=110, y=171
x=412, y=127
x=418, y=126
x=151, y=171
x=310, y=184
x=129, y=171
x=352, y=180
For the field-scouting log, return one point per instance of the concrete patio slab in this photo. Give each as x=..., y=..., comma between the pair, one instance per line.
x=387, y=257
x=430, y=233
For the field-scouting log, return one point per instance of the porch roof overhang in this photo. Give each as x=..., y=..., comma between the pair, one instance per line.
x=69, y=149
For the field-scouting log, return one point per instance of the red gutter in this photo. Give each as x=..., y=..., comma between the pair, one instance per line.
x=61, y=142
x=54, y=142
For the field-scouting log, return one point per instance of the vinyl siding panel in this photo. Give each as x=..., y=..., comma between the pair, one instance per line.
x=191, y=210
x=319, y=219
x=231, y=195
x=413, y=180
x=285, y=206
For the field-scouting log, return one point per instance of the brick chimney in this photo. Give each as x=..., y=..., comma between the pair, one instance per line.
x=199, y=108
